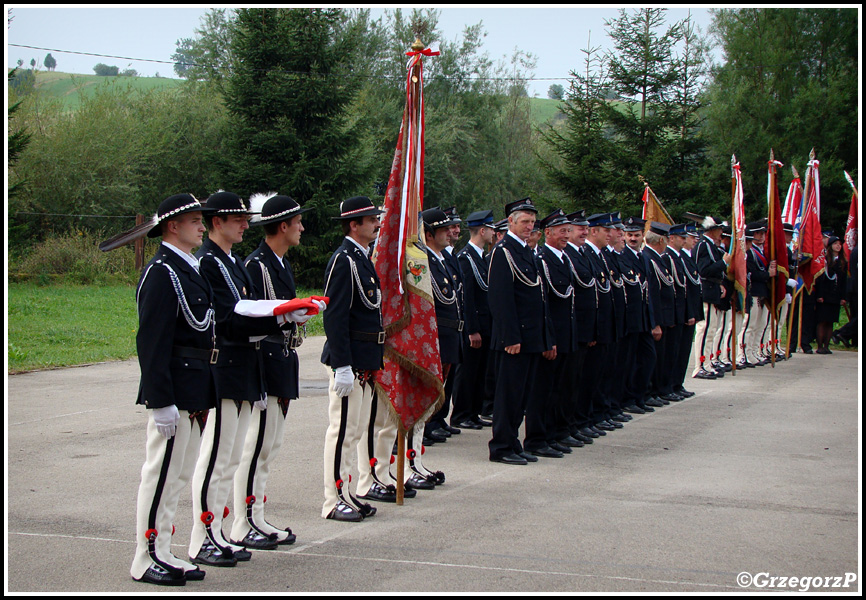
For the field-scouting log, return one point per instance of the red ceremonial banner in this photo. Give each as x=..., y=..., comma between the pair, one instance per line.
x=775, y=246
x=412, y=378
x=851, y=226
x=811, y=240
x=737, y=268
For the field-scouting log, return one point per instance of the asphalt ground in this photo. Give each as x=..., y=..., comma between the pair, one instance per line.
x=754, y=478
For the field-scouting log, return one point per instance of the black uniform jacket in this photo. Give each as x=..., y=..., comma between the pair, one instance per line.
x=678, y=270
x=611, y=261
x=634, y=276
x=239, y=368
x=516, y=299
x=446, y=299
x=560, y=298
x=585, y=295
x=661, y=288
x=163, y=330
x=694, y=297
x=353, y=320
x=606, y=318
x=281, y=362
x=759, y=276
x=712, y=268
x=476, y=310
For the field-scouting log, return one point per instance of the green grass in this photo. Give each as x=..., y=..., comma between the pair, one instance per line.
x=70, y=88
x=67, y=325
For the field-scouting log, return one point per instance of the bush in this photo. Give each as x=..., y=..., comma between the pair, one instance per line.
x=74, y=257
x=104, y=70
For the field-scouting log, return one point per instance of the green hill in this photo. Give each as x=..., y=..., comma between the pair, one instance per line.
x=544, y=110
x=69, y=88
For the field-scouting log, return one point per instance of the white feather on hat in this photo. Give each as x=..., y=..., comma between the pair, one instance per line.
x=257, y=203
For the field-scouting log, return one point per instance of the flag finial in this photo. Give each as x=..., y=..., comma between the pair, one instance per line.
x=417, y=45
x=794, y=169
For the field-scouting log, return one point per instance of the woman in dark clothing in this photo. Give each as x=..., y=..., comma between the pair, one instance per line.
x=830, y=293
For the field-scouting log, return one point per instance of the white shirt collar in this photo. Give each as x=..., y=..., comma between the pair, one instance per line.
x=633, y=250
x=558, y=253
x=189, y=258
x=279, y=258
x=477, y=249
x=687, y=251
x=522, y=243
x=576, y=247
x=674, y=250
x=364, y=250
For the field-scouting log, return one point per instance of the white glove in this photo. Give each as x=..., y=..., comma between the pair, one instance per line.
x=792, y=283
x=299, y=316
x=344, y=381
x=166, y=420
x=261, y=404
x=321, y=304
x=787, y=298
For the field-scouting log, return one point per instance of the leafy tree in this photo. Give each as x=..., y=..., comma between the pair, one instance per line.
x=50, y=62
x=17, y=139
x=104, y=70
x=791, y=97
x=208, y=56
x=183, y=57
x=129, y=73
x=556, y=92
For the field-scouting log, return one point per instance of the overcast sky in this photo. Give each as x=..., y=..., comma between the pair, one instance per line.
x=553, y=34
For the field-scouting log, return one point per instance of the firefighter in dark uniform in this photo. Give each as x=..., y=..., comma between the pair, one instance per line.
x=272, y=279
x=470, y=387
x=694, y=308
x=663, y=298
x=521, y=331
x=240, y=385
x=681, y=346
x=175, y=345
x=639, y=340
x=553, y=386
x=353, y=353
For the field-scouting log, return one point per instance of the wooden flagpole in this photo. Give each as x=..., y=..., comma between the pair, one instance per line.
x=401, y=452
x=733, y=243
x=770, y=222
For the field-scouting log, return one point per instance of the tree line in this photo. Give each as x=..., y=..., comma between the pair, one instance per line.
x=308, y=102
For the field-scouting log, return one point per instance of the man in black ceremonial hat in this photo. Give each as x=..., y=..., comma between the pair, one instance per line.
x=685, y=310
x=471, y=389
x=175, y=344
x=354, y=353
x=521, y=331
x=240, y=386
x=712, y=261
x=272, y=279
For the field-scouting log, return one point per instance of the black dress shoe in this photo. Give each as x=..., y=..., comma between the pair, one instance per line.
x=685, y=393
x=194, y=575
x=290, y=539
x=600, y=432
x=807, y=350
x=344, y=512
x=634, y=409
x=419, y=482
x=654, y=402
x=615, y=424
x=255, y=540
x=509, y=459
x=589, y=432
x=671, y=397
x=646, y=408
x=560, y=447
x=452, y=430
x=571, y=442
x=213, y=556
x=619, y=419
x=528, y=457
x=409, y=491
x=381, y=493
x=484, y=421
x=604, y=426
x=469, y=425
x=547, y=452
x=439, y=432
x=159, y=576
x=243, y=555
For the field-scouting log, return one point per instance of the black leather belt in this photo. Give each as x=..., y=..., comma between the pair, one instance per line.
x=365, y=336
x=209, y=355
x=452, y=324
x=226, y=344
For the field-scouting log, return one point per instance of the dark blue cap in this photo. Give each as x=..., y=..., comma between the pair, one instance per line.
x=555, y=218
x=524, y=204
x=634, y=224
x=601, y=220
x=660, y=228
x=479, y=218
x=679, y=230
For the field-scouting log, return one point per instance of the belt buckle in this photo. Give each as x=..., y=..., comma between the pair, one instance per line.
x=214, y=355
x=460, y=325
x=381, y=339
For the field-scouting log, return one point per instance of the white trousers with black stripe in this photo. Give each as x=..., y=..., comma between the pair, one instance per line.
x=262, y=444
x=377, y=442
x=167, y=469
x=708, y=337
x=347, y=417
x=221, y=447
